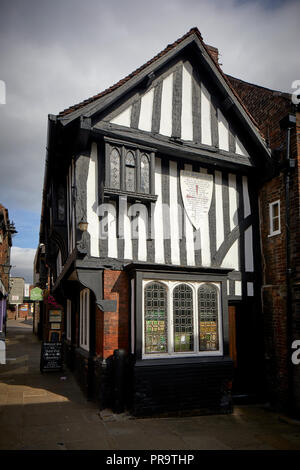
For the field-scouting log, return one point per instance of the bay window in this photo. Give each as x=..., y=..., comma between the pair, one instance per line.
x=181, y=318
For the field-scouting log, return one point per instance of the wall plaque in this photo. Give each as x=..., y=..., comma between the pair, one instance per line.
x=196, y=191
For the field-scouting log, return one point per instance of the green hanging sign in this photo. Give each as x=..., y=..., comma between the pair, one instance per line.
x=36, y=294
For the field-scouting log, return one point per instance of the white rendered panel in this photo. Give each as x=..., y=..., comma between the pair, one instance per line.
x=239, y=148
x=205, y=240
x=112, y=231
x=219, y=209
x=233, y=214
x=145, y=120
x=247, y=207
x=92, y=202
x=250, y=289
x=189, y=233
x=205, y=116
x=231, y=259
x=238, y=288
x=166, y=106
x=249, y=250
x=174, y=222
x=158, y=216
x=142, y=235
x=123, y=119
x=186, y=111
x=223, y=131
x=127, y=233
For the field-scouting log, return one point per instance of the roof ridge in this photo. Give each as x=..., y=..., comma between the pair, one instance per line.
x=285, y=94
x=193, y=30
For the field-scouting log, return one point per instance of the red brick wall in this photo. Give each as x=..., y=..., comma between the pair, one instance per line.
x=268, y=107
x=112, y=327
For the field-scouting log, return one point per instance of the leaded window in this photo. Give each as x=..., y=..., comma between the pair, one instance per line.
x=145, y=174
x=183, y=318
x=155, y=318
x=129, y=168
x=115, y=173
x=208, y=317
x=130, y=172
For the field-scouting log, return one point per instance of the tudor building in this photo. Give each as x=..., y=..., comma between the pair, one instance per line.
x=151, y=230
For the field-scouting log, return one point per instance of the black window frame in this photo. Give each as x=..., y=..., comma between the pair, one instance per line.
x=138, y=151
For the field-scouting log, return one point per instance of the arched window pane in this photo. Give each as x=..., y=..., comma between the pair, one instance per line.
x=115, y=169
x=183, y=318
x=208, y=317
x=130, y=172
x=145, y=174
x=156, y=331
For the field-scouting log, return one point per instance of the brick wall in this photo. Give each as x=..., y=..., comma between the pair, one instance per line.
x=268, y=107
x=112, y=327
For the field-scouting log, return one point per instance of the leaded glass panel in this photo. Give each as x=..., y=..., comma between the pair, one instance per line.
x=130, y=172
x=145, y=174
x=156, y=327
x=115, y=169
x=183, y=318
x=208, y=317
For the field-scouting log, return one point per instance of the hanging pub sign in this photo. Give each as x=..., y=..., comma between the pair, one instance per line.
x=36, y=294
x=196, y=190
x=51, y=356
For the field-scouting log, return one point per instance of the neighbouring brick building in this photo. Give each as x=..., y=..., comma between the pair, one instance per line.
x=275, y=113
x=163, y=237
x=6, y=230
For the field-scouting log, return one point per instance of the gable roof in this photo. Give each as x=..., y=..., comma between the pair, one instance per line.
x=211, y=51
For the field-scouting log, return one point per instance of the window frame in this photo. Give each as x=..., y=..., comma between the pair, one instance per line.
x=84, y=319
x=171, y=285
x=273, y=232
x=138, y=151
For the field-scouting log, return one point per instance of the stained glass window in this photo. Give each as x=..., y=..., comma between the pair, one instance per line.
x=155, y=318
x=145, y=174
x=208, y=317
x=130, y=172
x=115, y=169
x=183, y=318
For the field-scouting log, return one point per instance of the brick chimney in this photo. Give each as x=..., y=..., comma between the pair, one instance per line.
x=214, y=52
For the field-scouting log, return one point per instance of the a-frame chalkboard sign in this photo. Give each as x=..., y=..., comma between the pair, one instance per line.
x=51, y=357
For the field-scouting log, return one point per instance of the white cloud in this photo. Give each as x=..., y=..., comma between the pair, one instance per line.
x=22, y=262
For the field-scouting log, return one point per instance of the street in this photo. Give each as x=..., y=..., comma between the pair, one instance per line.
x=49, y=411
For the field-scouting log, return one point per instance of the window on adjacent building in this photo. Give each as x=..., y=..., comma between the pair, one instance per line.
x=84, y=319
x=182, y=318
x=69, y=319
x=274, y=215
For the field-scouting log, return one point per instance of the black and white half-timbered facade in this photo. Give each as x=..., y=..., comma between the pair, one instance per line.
x=150, y=221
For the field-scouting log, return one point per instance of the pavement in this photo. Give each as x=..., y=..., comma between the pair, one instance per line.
x=49, y=412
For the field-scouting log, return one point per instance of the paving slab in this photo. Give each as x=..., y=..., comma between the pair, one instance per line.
x=42, y=412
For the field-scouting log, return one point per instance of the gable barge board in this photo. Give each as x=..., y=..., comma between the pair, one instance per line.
x=224, y=90
x=105, y=101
